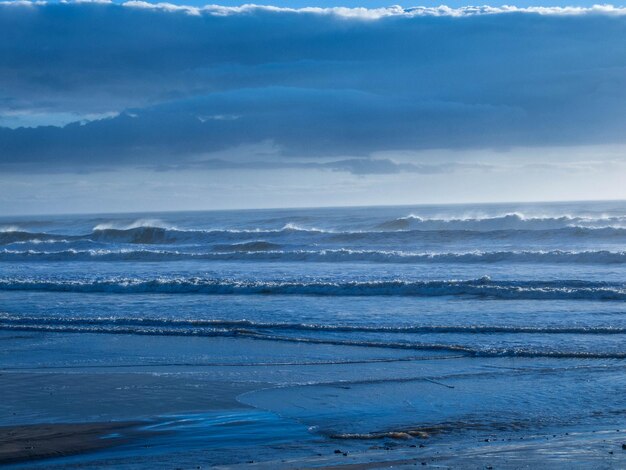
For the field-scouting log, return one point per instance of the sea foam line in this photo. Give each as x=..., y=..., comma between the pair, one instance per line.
x=413, y=346
x=264, y=252
x=483, y=287
x=237, y=325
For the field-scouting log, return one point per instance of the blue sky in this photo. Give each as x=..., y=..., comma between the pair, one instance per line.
x=107, y=107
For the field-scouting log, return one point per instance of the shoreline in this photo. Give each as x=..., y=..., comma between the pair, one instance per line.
x=154, y=414
x=42, y=444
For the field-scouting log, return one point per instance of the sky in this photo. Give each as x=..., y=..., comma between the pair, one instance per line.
x=133, y=106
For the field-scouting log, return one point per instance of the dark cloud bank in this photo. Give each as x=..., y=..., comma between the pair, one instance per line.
x=317, y=84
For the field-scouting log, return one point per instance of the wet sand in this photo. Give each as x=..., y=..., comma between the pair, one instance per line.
x=35, y=397
x=591, y=449
x=583, y=450
x=213, y=402
x=24, y=443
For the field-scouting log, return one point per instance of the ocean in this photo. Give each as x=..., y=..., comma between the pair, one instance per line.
x=330, y=328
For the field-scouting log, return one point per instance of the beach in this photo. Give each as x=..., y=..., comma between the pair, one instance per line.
x=284, y=413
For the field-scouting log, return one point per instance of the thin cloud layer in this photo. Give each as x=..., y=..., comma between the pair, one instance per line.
x=182, y=83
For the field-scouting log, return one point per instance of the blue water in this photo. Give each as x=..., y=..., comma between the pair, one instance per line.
x=489, y=285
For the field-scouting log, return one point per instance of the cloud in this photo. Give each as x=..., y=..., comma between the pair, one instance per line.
x=356, y=166
x=364, y=13
x=182, y=83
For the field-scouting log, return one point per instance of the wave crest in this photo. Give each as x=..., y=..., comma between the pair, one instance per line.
x=511, y=221
x=483, y=287
x=267, y=251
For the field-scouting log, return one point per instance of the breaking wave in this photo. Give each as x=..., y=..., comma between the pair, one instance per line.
x=147, y=235
x=171, y=236
x=147, y=231
x=483, y=287
x=139, y=223
x=514, y=221
x=266, y=251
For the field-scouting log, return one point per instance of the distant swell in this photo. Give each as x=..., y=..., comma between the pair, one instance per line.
x=484, y=287
x=513, y=221
x=402, y=231
x=265, y=251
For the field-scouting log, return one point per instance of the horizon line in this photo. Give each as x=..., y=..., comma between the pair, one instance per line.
x=355, y=206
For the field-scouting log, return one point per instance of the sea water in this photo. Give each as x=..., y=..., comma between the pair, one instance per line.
x=490, y=317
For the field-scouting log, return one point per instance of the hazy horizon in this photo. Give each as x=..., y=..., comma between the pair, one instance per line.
x=305, y=208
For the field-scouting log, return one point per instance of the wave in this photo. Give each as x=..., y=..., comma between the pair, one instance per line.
x=148, y=235
x=69, y=326
x=37, y=241
x=266, y=251
x=9, y=228
x=139, y=223
x=152, y=235
x=18, y=236
x=158, y=235
x=512, y=221
x=483, y=287
x=247, y=325
x=245, y=247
